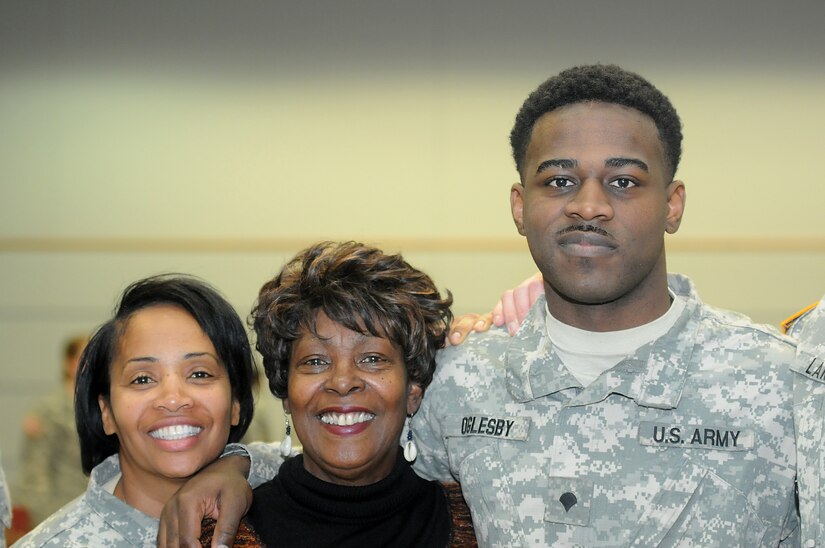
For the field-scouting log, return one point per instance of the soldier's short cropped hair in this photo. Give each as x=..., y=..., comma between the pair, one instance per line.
x=605, y=84
x=361, y=288
x=215, y=316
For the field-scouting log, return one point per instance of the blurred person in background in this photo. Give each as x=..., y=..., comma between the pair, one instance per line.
x=51, y=474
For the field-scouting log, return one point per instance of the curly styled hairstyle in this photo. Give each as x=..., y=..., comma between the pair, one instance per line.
x=605, y=84
x=213, y=313
x=361, y=288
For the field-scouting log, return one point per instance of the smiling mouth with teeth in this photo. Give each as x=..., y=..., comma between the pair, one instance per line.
x=346, y=419
x=177, y=432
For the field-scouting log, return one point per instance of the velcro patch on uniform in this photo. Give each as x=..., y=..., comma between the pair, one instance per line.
x=695, y=436
x=506, y=428
x=568, y=500
x=812, y=367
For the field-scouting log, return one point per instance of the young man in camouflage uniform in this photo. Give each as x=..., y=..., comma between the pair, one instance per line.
x=50, y=473
x=635, y=414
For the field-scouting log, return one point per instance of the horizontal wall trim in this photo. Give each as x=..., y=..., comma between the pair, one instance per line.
x=720, y=244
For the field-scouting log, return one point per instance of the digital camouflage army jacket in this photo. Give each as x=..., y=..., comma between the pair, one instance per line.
x=98, y=518
x=688, y=442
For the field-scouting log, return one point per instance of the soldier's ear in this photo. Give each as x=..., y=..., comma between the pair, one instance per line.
x=109, y=424
x=517, y=206
x=676, y=198
x=236, y=412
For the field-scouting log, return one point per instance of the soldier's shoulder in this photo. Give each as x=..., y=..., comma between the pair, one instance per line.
x=479, y=350
x=89, y=531
x=734, y=326
x=471, y=371
x=63, y=528
x=814, y=312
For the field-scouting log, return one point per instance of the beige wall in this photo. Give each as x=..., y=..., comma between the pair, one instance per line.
x=138, y=139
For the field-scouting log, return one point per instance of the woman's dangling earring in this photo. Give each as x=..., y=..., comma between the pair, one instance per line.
x=286, y=444
x=410, y=449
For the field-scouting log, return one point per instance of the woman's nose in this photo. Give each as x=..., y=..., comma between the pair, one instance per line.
x=344, y=379
x=173, y=394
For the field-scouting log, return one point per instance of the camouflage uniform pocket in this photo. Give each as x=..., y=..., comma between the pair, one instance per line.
x=484, y=483
x=695, y=507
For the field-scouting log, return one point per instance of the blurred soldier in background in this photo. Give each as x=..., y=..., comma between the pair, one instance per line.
x=50, y=473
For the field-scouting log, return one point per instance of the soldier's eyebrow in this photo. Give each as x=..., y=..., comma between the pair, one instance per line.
x=622, y=162
x=564, y=163
x=191, y=355
x=142, y=359
x=187, y=356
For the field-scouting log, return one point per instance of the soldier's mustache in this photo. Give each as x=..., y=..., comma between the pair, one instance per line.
x=584, y=228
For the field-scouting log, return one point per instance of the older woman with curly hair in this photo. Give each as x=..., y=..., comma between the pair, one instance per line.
x=348, y=336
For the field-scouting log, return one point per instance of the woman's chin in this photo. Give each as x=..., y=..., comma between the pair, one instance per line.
x=180, y=470
x=352, y=469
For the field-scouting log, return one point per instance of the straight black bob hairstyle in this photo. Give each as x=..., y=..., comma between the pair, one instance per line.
x=213, y=313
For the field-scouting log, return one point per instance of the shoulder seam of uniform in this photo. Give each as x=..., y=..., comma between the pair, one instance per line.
x=743, y=322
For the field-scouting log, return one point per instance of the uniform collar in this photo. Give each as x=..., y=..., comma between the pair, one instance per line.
x=653, y=376
x=533, y=368
x=135, y=526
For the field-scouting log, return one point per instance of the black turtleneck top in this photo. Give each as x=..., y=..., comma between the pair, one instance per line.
x=402, y=510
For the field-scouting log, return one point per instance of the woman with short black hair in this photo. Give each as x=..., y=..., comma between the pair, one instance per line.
x=162, y=387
